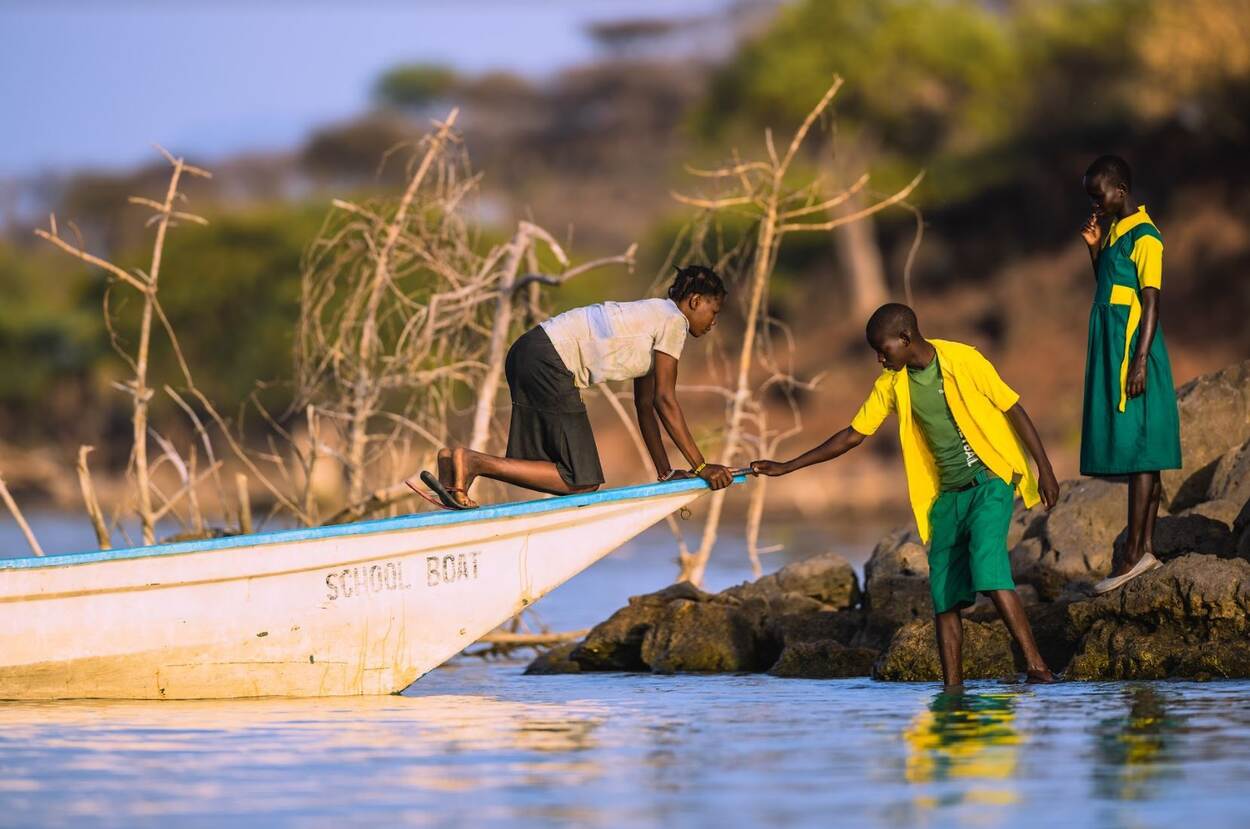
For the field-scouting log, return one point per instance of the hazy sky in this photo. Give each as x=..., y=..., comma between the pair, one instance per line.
x=95, y=82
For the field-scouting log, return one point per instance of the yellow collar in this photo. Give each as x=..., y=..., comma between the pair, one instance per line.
x=1130, y=221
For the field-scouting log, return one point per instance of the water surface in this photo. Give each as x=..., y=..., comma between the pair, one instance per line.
x=479, y=744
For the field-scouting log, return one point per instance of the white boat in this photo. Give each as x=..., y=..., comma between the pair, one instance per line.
x=364, y=608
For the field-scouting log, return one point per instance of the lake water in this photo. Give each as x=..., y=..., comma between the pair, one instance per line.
x=479, y=744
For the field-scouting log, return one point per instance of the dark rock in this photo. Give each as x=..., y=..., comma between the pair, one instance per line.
x=789, y=604
x=1057, y=631
x=1223, y=510
x=828, y=579
x=823, y=659
x=1191, y=532
x=1215, y=419
x=912, y=655
x=1027, y=523
x=1090, y=514
x=1241, y=530
x=896, y=591
x=983, y=609
x=841, y=626
x=695, y=636
x=896, y=538
x=1190, y=617
x=680, y=590
x=557, y=660
x=616, y=644
x=1230, y=481
x=1074, y=541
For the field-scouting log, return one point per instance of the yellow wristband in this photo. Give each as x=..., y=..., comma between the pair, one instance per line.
x=700, y=468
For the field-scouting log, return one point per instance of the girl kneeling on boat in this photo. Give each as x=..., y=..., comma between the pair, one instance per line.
x=551, y=447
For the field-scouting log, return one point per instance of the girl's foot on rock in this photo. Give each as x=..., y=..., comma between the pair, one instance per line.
x=1040, y=677
x=1144, y=565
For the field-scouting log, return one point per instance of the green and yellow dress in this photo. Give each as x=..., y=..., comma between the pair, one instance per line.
x=1122, y=435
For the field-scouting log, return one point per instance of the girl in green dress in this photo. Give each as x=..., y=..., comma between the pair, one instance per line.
x=1130, y=425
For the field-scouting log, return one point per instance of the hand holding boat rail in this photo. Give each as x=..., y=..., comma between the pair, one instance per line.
x=715, y=475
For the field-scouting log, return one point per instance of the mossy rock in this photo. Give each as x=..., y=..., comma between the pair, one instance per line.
x=913, y=656
x=823, y=659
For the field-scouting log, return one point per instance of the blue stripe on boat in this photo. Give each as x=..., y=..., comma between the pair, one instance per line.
x=403, y=522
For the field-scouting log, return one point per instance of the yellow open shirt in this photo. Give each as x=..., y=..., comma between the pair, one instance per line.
x=978, y=399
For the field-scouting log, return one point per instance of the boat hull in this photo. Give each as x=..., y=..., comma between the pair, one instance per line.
x=334, y=612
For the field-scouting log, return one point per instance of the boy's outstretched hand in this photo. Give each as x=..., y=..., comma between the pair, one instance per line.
x=770, y=468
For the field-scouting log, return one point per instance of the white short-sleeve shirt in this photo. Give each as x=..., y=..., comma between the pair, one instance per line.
x=615, y=340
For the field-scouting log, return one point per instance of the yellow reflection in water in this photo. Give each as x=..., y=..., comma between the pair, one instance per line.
x=965, y=737
x=1135, y=749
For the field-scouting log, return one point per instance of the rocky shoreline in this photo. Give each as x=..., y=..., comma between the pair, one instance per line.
x=1190, y=618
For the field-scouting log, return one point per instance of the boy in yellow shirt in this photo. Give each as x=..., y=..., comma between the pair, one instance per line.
x=964, y=436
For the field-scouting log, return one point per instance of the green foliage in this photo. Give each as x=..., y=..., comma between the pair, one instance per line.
x=415, y=85
x=957, y=87
x=231, y=291
x=48, y=332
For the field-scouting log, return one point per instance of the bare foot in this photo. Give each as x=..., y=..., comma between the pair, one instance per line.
x=1040, y=677
x=446, y=475
x=462, y=477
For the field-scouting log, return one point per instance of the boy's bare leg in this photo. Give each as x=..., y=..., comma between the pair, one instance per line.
x=542, y=476
x=1012, y=612
x=1141, y=487
x=950, y=641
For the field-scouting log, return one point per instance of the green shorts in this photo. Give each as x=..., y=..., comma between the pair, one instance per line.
x=968, y=548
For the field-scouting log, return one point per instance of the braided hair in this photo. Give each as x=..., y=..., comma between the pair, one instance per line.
x=696, y=279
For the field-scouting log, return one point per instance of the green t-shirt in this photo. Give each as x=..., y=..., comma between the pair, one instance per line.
x=957, y=463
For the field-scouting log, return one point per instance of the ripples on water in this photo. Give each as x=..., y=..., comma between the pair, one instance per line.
x=480, y=744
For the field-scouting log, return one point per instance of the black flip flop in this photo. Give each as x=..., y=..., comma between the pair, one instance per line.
x=425, y=496
x=436, y=486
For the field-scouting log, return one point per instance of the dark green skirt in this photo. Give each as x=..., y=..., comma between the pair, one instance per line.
x=549, y=420
x=1146, y=436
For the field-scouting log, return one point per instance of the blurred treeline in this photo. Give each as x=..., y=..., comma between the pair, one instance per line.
x=1003, y=102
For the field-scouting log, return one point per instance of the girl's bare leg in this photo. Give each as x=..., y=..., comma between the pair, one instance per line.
x=1141, y=491
x=542, y=476
x=1152, y=513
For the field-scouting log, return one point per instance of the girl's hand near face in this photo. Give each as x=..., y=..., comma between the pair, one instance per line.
x=1091, y=231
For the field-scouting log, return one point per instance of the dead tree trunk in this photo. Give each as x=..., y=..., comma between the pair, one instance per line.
x=859, y=256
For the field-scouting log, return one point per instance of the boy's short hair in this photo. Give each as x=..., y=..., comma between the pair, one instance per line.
x=889, y=320
x=1113, y=168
